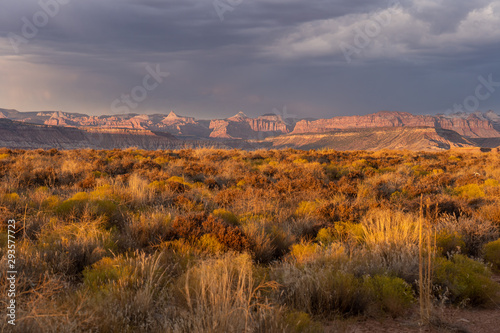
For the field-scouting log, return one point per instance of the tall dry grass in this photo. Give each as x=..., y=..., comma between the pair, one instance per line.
x=222, y=295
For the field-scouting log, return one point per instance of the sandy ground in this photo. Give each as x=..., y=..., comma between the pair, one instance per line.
x=447, y=320
x=450, y=320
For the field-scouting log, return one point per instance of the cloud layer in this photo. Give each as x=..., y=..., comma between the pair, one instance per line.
x=318, y=58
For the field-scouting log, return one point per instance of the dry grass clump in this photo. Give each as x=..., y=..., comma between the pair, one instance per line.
x=389, y=231
x=148, y=228
x=221, y=295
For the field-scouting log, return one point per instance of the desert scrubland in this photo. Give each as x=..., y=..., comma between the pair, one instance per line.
x=206, y=240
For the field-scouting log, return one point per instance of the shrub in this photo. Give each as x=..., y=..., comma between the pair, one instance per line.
x=75, y=204
x=391, y=294
x=345, y=232
x=209, y=243
x=306, y=208
x=51, y=202
x=470, y=191
x=449, y=242
x=230, y=236
x=11, y=198
x=491, y=213
x=335, y=212
x=264, y=250
x=226, y=215
x=188, y=226
x=104, y=272
x=474, y=232
x=148, y=229
x=301, y=322
x=187, y=204
x=70, y=248
x=193, y=226
x=319, y=290
x=467, y=281
x=305, y=252
x=325, y=236
x=492, y=253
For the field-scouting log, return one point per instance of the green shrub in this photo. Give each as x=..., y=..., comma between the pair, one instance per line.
x=227, y=216
x=97, y=205
x=75, y=204
x=104, y=272
x=492, y=253
x=51, y=202
x=320, y=291
x=347, y=232
x=470, y=191
x=157, y=186
x=306, y=208
x=391, y=294
x=301, y=322
x=449, y=242
x=466, y=280
x=305, y=252
x=474, y=232
x=209, y=243
x=325, y=236
x=11, y=198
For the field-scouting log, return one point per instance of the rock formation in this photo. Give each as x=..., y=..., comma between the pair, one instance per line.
x=472, y=126
x=450, y=130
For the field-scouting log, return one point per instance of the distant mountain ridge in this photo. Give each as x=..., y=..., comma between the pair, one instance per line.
x=388, y=129
x=475, y=125
x=238, y=126
x=19, y=135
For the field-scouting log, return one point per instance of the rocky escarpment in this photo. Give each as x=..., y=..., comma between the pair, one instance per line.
x=185, y=126
x=411, y=138
x=476, y=129
x=237, y=127
x=240, y=126
x=18, y=135
x=472, y=126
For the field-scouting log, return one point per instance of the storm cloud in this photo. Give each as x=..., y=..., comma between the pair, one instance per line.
x=318, y=58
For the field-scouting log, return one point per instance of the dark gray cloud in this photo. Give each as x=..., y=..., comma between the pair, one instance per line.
x=319, y=58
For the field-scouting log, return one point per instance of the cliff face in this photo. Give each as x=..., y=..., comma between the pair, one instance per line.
x=472, y=126
x=484, y=126
x=240, y=126
x=411, y=138
x=19, y=135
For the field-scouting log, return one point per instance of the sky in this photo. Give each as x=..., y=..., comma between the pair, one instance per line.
x=214, y=58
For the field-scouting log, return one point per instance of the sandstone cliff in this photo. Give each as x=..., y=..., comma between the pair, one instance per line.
x=240, y=126
x=19, y=135
x=410, y=138
x=472, y=126
x=476, y=129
